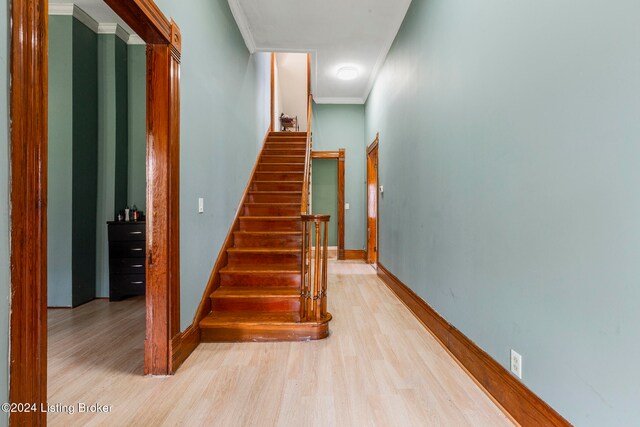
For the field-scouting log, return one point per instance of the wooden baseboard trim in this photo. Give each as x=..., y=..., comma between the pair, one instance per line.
x=354, y=254
x=182, y=345
x=524, y=406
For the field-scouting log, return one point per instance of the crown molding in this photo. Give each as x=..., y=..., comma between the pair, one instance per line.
x=114, y=29
x=70, y=9
x=135, y=39
x=243, y=26
x=324, y=100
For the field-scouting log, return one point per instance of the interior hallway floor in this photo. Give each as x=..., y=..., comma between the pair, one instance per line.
x=380, y=366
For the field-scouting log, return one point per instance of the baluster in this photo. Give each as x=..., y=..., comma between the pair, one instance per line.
x=323, y=292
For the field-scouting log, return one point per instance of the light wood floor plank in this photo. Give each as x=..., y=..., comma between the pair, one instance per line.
x=379, y=367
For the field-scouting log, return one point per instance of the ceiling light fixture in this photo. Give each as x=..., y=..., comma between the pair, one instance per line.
x=347, y=73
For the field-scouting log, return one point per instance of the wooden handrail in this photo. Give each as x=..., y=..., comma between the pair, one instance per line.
x=304, y=206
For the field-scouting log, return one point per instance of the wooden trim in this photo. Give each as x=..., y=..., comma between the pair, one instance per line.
x=373, y=243
x=308, y=75
x=273, y=90
x=341, y=207
x=214, y=279
x=146, y=19
x=374, y=144
x=339, y=155
x=183, y=345
x=164, y=45
x=28, y=203
x=355, y=255
x=304, y=204
x=514, y=397
x=331, y=155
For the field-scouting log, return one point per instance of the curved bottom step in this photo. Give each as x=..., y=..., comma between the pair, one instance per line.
x=261, y=327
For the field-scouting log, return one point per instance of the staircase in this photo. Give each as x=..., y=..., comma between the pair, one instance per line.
x=258, y=294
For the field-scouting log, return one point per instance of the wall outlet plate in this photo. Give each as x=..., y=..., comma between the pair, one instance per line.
x=346, y=206
x=516, y=364
x=201, y=205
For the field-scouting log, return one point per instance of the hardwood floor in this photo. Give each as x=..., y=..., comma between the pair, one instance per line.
x=379, y=366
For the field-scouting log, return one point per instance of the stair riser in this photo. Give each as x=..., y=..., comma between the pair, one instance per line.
x=271, y=304
x=297, y=145
x=301, y=139
x=265, y=333
x=277, y=167
x=279, y=176
x=236, y=258
x=282, y=159
x=245, y=241
x=284, y=152
x=267, y=225
x=277, y=186
x=274, y=198
x=271, y=210
x=282, y=280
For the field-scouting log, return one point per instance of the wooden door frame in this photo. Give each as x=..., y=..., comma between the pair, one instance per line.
x=339, y=156
x=373, y=214
x=28, y=202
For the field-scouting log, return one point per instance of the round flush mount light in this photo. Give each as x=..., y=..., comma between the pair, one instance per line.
x=347, y=73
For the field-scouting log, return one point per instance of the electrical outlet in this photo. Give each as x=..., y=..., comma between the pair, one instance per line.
x=200, y=205
x=346, y=206
x=516, y=364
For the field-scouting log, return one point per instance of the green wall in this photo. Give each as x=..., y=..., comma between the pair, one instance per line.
x=137, y=108
x=72, y=162
x=4, y=212
x=324, y=194
x=224, y=117
x=60, y=170
x=342, y=126
x=113, y=149
x=509, y=155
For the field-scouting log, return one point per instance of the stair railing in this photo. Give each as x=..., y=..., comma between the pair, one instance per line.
x=313, y=292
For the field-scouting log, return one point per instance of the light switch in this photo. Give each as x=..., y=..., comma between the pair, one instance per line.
x=346, y=206
x=200, y=205
x=381, y=189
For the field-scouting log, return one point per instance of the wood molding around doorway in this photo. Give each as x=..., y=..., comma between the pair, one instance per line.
x=373, y=247
x=28, y=147
x=340, y=156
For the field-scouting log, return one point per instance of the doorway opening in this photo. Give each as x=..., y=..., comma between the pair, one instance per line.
x=372, y=202
x=29, y=193
x=290, y=91
x=328, y=194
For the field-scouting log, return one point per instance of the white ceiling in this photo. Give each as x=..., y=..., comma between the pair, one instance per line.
x=96, y=9
x=336, y=32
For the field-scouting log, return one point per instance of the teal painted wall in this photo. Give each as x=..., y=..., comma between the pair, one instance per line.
x=509, y=155
x=224, y=117
x=85, y=162
x=4, y=211
x=113, y=133
x=60, y=170
x=137, y=120
x=342, y=126
x=324, y=194
x=72, y=162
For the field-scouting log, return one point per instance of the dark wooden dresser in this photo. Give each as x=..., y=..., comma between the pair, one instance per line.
x=127, y=256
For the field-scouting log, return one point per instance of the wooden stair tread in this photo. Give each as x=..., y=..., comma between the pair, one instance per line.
x=275, y=192
x=255, y=292
x=261, y=268
x=281, y=181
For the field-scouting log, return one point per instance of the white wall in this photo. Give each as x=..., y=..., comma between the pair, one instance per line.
x=292, y=87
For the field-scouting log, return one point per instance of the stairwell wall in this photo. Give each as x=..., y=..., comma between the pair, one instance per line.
x=509, y=156
x=225, y=113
